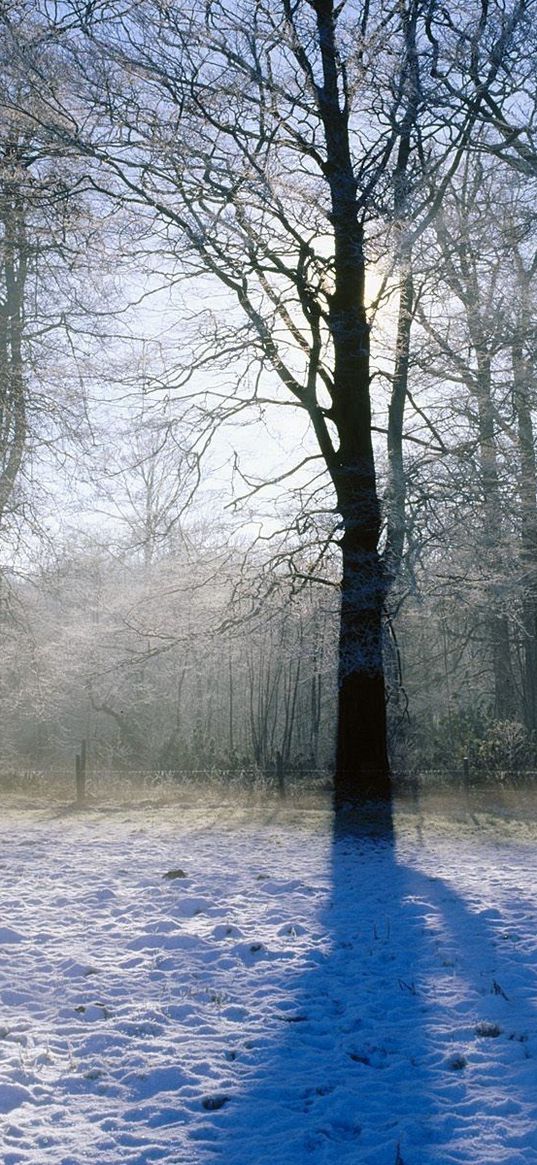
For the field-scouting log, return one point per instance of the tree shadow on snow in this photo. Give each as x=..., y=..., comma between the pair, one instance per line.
x=388, y=1048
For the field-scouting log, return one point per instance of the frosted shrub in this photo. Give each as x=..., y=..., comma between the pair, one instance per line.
x=507, y=747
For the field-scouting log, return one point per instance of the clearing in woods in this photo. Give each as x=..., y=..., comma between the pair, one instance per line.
x=280, y=998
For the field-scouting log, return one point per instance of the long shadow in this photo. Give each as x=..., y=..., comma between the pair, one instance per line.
x=405, y=1033
x=409, y=1031
x=391, y=1041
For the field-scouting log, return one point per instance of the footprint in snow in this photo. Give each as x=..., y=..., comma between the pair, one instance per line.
x=93, y=1011
x=490, y=1030
x=7, y=935
x=291, y=930
x=13, y=1096
x=226, y=930
x=213, y=1103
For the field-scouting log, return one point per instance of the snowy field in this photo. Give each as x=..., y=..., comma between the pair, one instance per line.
x=284, y=998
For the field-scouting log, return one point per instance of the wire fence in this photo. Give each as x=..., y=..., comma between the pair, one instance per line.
x=100, y=781
x=103, y=781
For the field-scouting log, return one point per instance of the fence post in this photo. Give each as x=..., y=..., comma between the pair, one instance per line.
x=466, y=769
x=280, y=774
x=80, y=772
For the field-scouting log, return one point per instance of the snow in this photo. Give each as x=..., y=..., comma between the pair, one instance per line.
x=284, y=997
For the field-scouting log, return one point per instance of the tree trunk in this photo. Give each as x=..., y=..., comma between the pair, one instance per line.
x=497, y=621
x=362, y=769
x=396, y=489
x=504, y=685
x=13, y=424
x=529, y=680
x=522, y=379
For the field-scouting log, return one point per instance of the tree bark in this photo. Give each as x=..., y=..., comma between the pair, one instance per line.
x=362, y=768
x=522, y=373
x=497, y=621
x=13, y=425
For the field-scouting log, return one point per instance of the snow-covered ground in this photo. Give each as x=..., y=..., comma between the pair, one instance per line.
x=290, y=999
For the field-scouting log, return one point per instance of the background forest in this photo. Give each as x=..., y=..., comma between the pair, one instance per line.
x=169, y=545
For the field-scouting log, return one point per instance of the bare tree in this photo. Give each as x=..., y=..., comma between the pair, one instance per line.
x=14, y=271
x=143, y=481
x=258, y=143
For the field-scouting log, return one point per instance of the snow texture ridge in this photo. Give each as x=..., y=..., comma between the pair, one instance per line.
x=191, y=990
